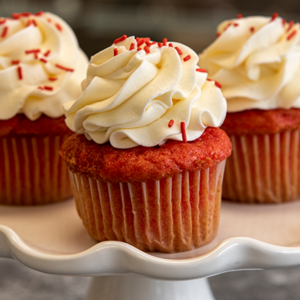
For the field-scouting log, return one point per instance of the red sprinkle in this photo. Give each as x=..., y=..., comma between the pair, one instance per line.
x=139, y=49
x=239, y=16
x=252, y=29
x=171, y=123
x=165, y=42
x=131, y=46
x=291, y=24
x=283, y=21
x=183, y=132
x=159, y=44
x=120, y=39
x=4, y=32
x=40, y=88
x=146, y=48
x=40, y=13
x=291, y=34
x=236, y=24
x=187, y=58
x=49, y=20
x=16, y=16
x=47, y=53
x=43, y=60
x=218, y=34
x=64, y=68
x=275, y=15
x=2, y=21
x=34, y=22
x=15, y=62
x=208, y=79
x=48, y=88
x=20, y=72
x=140, y=42
x=218, y=84
x=178, y=50
x=33, y=51
x=25, y=14
x=36, y=56
x=52, y=78
x=28, y=23
x=201, y=70
x=58, y=26
x=148, y=43
x=115, y=51
x=171, y=45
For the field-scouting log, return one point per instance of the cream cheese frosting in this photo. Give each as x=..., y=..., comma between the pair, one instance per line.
x=257, y=60
x=135, y=89
x=41, y=65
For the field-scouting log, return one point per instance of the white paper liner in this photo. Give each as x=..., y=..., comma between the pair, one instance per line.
x=31, y=170
x=263, y=168
x=173, y=214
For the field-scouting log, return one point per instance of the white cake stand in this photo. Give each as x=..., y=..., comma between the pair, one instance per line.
x=51, y=239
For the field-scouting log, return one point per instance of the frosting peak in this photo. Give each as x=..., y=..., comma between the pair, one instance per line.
x=257, y=59
x=135, y=87
x=41, y=65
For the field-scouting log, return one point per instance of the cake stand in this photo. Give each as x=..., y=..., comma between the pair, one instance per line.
x=51, y=239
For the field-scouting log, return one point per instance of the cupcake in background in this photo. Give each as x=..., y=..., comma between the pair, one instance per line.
x=257, y=60
x=41, y=68
x=147, y=161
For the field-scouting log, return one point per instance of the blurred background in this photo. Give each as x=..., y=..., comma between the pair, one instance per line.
x=97, y=23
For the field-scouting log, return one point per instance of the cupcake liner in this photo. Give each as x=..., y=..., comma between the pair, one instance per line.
x=173, y=214
x=31, y=171
x=263, y=168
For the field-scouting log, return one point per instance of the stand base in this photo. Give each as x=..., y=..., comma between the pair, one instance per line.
x=136, y=287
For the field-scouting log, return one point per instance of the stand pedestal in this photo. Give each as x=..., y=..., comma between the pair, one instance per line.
x=136, y=287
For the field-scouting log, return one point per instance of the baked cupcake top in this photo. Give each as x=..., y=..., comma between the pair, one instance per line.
x=139, y=92
x=41, y=65
x=257, y=60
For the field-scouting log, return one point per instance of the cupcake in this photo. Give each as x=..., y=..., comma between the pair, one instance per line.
x=41, y=68
x=257, y=60
x=147, y=160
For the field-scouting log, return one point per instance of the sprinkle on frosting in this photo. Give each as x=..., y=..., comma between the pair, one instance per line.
x=132, y=46
x=275, y=15
x=291, y=24
x=52, y=78
x=201, y=70
x=120, y=39
x=43, y=60
x=252, y=29
x=183, y=132
x=34, y=22
x=171, y=45
x=47, y=53
x=48, y=88
x=58, y=26
x=239, y=16
x=20, y=72
x=187, y=58
x=115, y=51
x=64, y=68
x=165, y=41
x=15, y=62
x=178, y=50
x=291, y=35
x=4, y=32
x=171, y=123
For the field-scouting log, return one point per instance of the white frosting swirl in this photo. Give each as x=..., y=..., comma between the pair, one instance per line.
x=257, y=61
x=32, y=92
x=130, y=98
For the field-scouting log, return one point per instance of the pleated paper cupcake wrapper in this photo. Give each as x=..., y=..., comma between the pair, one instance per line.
x=173, y=214
x=263, y=168
x=31, y=170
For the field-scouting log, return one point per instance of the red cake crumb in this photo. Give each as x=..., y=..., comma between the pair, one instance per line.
x=103, y=162
x=256, y=121
x=21, y=125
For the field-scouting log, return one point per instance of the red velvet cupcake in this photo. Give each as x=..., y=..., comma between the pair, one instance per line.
x=41, y=69
x=257, y=61
x=147, y=171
